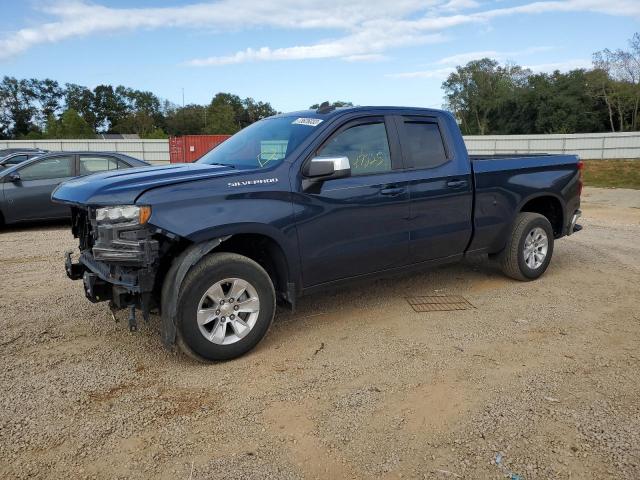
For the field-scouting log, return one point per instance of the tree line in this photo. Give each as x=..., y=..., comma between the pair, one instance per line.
x=40, y=109
x=489, y=98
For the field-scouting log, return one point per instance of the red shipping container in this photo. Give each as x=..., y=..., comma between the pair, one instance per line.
x=190, y=148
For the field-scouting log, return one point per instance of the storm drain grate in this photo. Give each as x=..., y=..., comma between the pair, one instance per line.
x=439, y=303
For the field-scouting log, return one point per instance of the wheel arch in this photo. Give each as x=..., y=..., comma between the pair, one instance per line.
x=264, y=250
x=253, y=243
x=549, y=205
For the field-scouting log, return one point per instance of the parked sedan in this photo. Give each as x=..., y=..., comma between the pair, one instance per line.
x=8, y=151
x=25, y=189
x=18, y=157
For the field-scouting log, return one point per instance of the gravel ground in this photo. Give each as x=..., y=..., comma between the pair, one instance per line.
x=541, y=380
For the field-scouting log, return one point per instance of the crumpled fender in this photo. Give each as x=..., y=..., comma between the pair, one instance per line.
x=173, y=281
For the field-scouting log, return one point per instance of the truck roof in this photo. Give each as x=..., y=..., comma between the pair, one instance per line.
x=333, y=112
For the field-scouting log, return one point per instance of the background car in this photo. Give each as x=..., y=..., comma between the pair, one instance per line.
x=25, y=189
x=8, y=151
x=18, y=157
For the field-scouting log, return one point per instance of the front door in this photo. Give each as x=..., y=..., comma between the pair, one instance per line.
x=29, y=198
x=356, y=225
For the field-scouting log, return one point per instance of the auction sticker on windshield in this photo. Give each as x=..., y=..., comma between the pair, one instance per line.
x=312, y=122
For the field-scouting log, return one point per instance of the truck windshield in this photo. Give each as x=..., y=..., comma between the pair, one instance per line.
x=262, y=144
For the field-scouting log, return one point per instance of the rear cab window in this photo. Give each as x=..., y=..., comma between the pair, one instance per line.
x=422, y=142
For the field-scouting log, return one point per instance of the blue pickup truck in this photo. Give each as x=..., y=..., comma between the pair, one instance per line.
x=301, y=201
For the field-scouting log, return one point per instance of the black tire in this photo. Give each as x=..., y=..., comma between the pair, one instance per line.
x=512, y=258
x=211, y=269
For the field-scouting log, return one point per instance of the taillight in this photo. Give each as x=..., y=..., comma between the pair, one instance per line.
x=580, y=176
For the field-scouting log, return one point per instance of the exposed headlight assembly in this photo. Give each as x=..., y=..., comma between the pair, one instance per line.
x=124, y=213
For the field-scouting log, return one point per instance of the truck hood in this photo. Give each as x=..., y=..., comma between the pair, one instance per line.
x=121, y=187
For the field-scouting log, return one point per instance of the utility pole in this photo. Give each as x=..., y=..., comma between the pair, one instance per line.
x=182, y=97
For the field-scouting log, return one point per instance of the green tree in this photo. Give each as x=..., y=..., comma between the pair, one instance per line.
x=622, y=90
x=254, y=111
x=156, y=133
x=69, y=125
x=140, y=123
x=479, y=90
x=82, y=100
x=17, y=107
x=224, y=114
x=110, y=106
x=222, y=120
x=336, y=104
x=187, y=120
x=49, y=96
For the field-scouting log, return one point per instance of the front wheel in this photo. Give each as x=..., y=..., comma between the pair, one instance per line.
x=529, y=248
x=227, y=304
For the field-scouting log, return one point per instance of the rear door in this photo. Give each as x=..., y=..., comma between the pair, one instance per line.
x=356, y=225
x=440, y=189
x=30, y=197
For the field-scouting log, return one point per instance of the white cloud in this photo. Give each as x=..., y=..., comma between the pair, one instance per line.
x=456, y=5
x=562, y=66
x=371, y=57
x=463, y=58
x=443, y=73
x=358, y=47
x=369, y=28
x=438, y=73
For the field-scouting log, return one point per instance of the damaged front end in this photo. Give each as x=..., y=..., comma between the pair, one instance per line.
x=119, y=257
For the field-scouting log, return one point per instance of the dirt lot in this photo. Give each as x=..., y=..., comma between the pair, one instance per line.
x=541, y=380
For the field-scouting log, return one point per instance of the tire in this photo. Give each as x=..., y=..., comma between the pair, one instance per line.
x=514, y=261
x=225, y=338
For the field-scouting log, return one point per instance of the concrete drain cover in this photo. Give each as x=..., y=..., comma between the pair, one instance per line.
x=439, y=303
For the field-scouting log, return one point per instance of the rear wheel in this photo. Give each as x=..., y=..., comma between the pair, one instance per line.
x=529, y=248
x=227, y=304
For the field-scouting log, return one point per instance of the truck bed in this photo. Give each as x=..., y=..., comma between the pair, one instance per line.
x=504, y=184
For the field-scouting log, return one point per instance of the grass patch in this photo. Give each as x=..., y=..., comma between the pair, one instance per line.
x=612, y=173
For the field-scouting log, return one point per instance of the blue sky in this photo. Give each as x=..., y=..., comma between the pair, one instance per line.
x=293, y=53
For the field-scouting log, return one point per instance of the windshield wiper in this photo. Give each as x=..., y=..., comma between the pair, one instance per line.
x=222, y=164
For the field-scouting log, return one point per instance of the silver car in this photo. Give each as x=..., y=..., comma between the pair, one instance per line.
x=25, y=188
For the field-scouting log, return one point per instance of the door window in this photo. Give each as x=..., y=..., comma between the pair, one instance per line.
x=122, y=164
x=93, y=164
x=56, y=167
x=366, y=146
x=17, y=159
x=422, y=145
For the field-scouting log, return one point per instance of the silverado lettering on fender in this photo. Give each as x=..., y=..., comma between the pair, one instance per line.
x=300, y=201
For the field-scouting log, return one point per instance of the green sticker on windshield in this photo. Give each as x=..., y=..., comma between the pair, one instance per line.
x=271, y=150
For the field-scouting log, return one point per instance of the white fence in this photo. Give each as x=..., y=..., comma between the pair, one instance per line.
x=588, y=145
x=152, y=151
x=604, y=146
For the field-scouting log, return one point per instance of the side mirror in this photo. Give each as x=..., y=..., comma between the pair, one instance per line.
x=326, y=168
x=14, y=177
